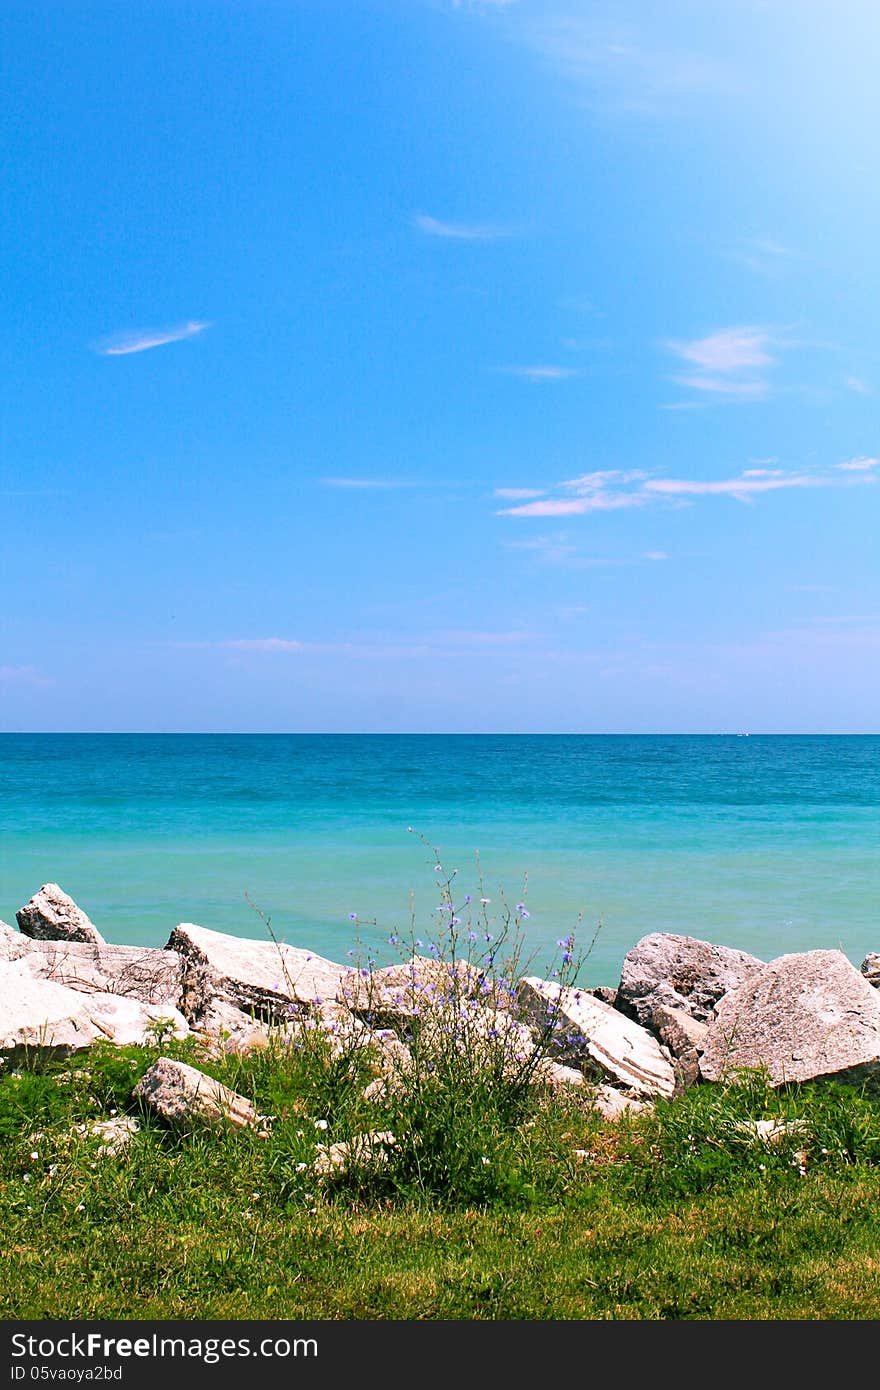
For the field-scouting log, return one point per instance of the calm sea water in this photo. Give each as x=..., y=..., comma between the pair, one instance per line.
x=766, y=843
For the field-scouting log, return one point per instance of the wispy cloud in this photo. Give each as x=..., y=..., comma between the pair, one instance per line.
x=261, y=644
x=607, y=490
x=123, y=344
x=656, y=555
x=861, y=388
x=728, y=350
x=24, y=675
x=743, y=488
x=859, y=465
x=540, y=373
x=458, y=231
x=517, y=494
x=621, y=70
x=601, y=491
x=578, y=506
x=765, y=256
x=551, y=549
x=729, y=362
x=723, y=386
x=589, y=483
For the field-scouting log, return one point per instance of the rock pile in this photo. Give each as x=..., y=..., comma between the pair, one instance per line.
x=686, y=1011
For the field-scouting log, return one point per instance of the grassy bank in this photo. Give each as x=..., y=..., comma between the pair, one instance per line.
x=682, y=1213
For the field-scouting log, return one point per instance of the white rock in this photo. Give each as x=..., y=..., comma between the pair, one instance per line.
x=39, y=1015
x=611, y=1104
x=138, y=972
x=682, y=972
x=805, y=1015
x=180, y=1094
x=116, y=1134
x=370, y=1149
x=127, y=1022
x=51, y=915
x=557, y=1076
x=260, y=976
x=586, y=1029
x=684, y=1037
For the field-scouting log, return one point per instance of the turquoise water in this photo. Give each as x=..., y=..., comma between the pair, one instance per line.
x=766, y=843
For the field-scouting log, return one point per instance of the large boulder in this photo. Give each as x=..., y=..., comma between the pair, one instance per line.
x=182, y=1094
x=53, y=916
x=597, y=1037
x=801, y=1016
x=39, y=1016
x=136, y=972
x=266, y=978
x=680, y=972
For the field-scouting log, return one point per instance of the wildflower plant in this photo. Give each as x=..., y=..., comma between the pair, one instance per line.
x=459, y=1064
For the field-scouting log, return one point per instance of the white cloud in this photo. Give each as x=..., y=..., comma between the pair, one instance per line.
x=656, y=555
x=578, y=506
x=517, y=494
x=859, y=465
x=729, y=362
x=124, y=344
x=728, y=350
x=541, y=373
x=743, y=487
x=589, y=483
x=614, y=489
x=457, y=231
x=860, y=387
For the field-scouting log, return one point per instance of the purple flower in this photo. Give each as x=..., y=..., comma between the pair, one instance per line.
x=352, y=917
x=521, y=909
x=472, y=936
x=438, y=868
x=467, y=897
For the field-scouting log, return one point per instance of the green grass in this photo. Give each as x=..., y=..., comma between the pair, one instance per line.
x=677, y=1214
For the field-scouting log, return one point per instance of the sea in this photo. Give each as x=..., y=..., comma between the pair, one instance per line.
x=340, y=843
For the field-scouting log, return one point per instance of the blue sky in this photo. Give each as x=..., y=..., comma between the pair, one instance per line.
x=438, y=366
